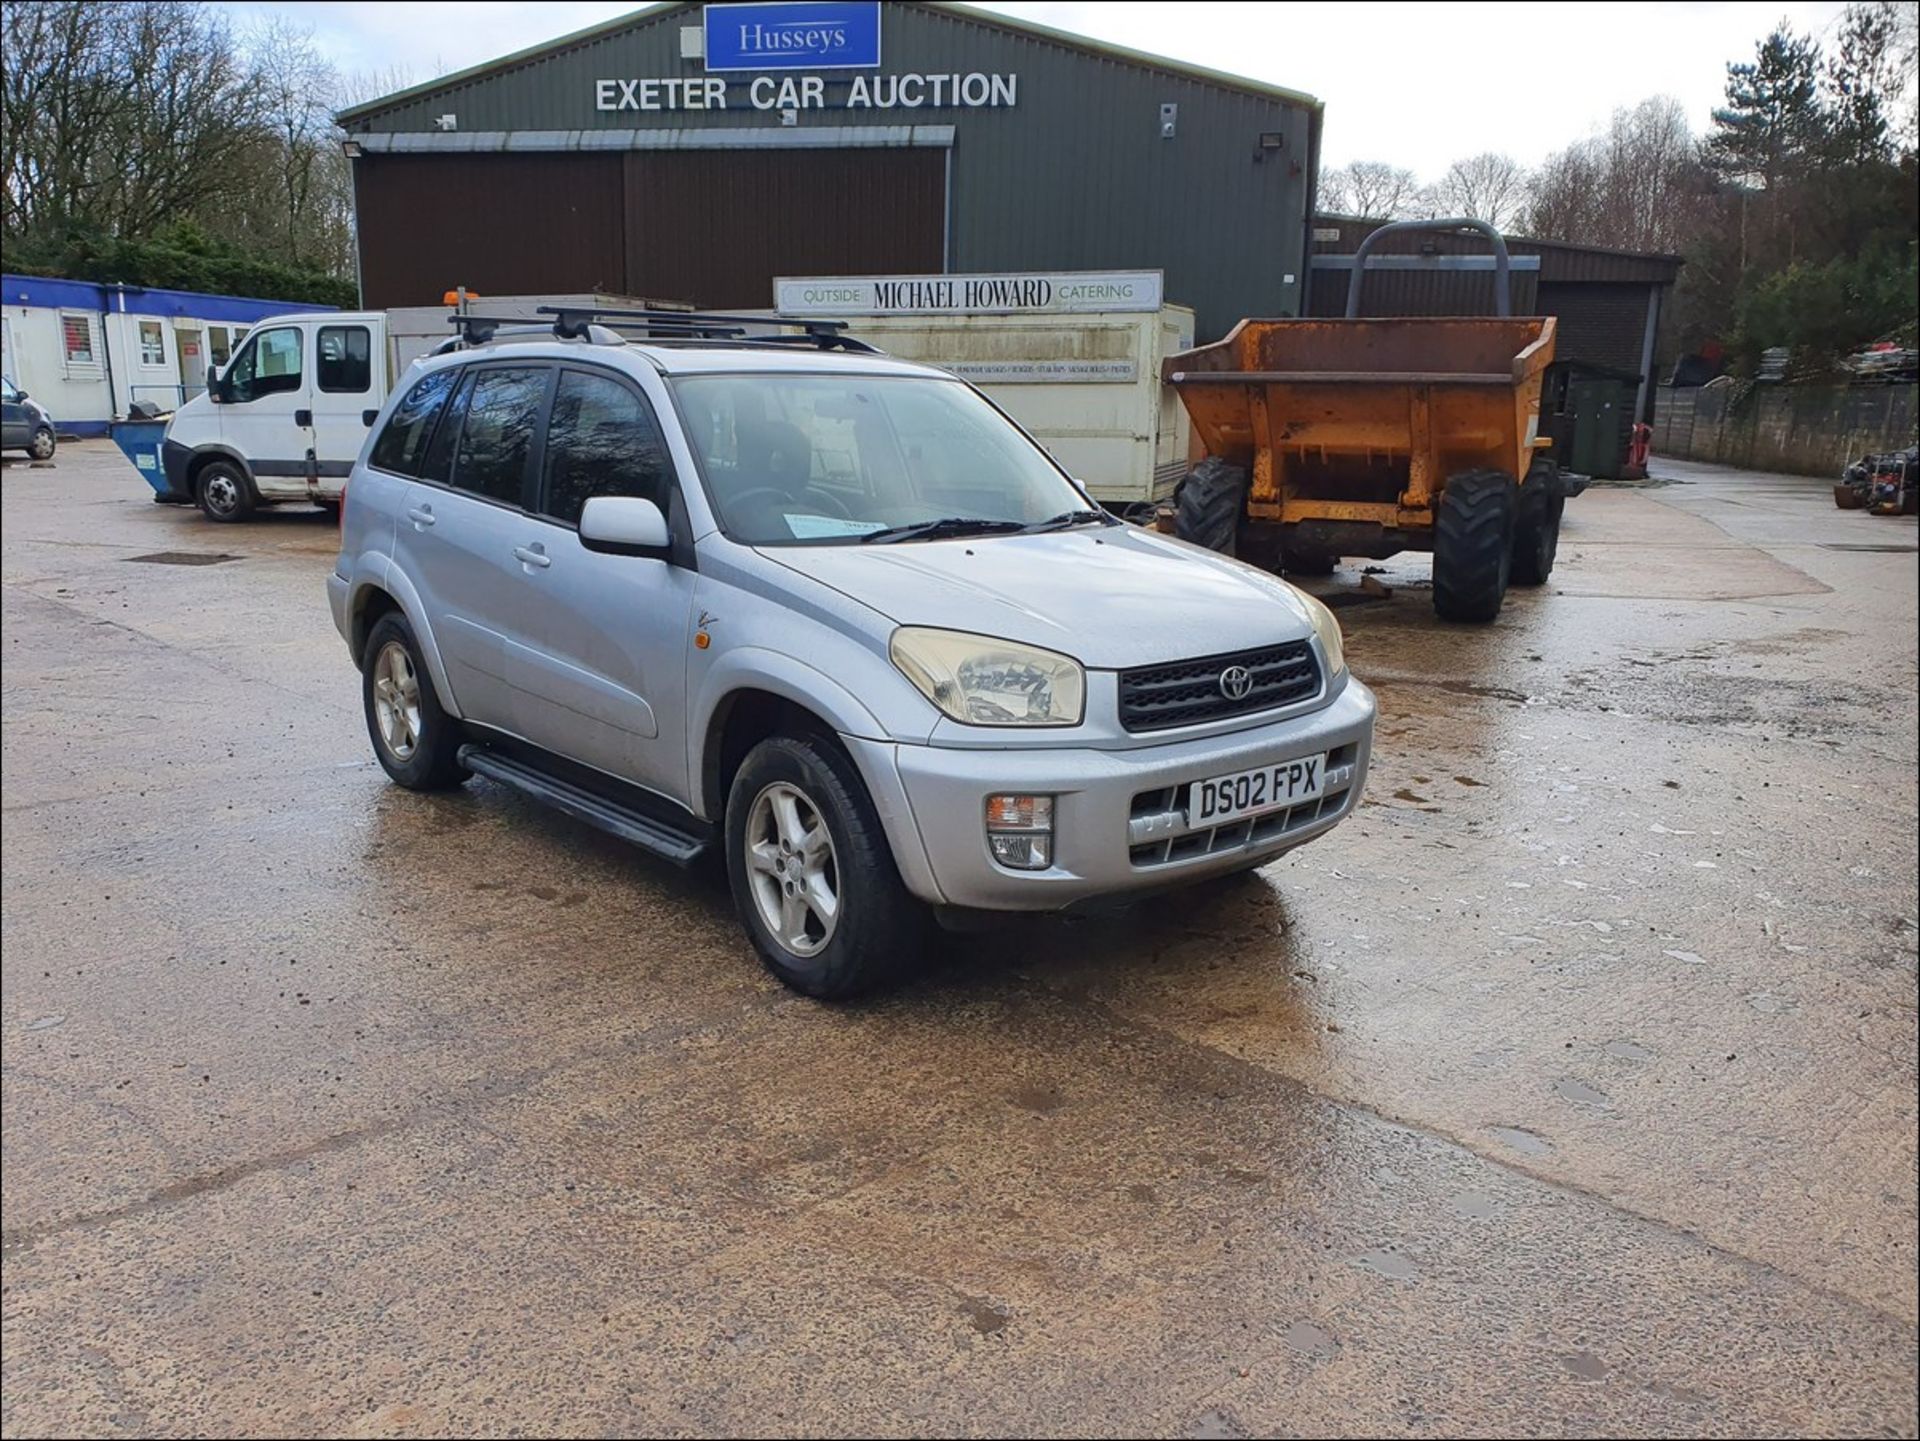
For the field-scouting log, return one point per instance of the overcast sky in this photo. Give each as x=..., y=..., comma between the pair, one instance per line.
x=1417, y=84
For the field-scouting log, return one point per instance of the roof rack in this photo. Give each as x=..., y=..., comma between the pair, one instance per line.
x=570, y=322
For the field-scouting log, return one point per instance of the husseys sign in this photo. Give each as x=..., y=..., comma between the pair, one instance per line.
x=810, y=36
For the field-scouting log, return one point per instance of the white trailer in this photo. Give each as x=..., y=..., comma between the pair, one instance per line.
x=1073, y=357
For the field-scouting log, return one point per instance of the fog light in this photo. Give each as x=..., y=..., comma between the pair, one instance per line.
x=1020, y=831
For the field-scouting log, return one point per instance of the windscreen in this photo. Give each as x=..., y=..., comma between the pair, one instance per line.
x=828, y=459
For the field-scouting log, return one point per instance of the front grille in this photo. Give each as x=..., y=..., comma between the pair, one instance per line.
x=1250, y=833
x=1188, y=692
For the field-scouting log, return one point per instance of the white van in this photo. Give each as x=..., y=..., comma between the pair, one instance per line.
x=285, y=420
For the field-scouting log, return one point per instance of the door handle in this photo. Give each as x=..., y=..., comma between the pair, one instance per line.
x=303, y=417
x=421, y=516
x=532, y=555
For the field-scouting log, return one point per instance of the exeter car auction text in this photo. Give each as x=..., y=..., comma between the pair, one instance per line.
x=808, y=92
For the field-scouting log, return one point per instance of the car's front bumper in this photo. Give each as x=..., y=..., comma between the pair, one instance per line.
x=1119, y=822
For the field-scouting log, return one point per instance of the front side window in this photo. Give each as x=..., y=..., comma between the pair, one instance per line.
x=268, y=364
x=826, y=459
x=403, y=444
x=76, y=333
x=497, y=435
x=345, y=359
x=601, y=440
x=153, y=345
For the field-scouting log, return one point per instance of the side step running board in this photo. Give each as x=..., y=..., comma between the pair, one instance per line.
x=663, y=838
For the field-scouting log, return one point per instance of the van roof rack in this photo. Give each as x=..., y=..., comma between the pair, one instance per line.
x=696, y=325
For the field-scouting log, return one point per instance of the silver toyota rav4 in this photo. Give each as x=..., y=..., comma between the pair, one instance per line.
x=833, y=615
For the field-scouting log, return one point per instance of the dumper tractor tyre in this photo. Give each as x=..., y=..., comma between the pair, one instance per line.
x=1536, y=529
x=812, y=873
x=1473, y=545
x=416, y=742
x=1207, y=509
x=223, y=492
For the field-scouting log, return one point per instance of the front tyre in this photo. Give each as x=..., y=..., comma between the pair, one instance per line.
x=812, y=875
x=1207, y=508
x=223, y=491
x=41, y=447
x=415, y=741
x=1536, y=530
x=1473, y=545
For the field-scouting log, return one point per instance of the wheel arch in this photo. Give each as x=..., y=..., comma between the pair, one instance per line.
x=375, y=596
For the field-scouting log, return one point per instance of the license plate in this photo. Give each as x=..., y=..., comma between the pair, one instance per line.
x=1248, y=793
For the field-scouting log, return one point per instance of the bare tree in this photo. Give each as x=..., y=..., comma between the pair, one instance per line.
x=1635, y=186
x=1489, y=186
x=119, y=116
x=1369, y=189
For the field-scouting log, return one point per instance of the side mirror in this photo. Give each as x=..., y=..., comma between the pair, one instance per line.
x=624, y=525
x=213, y=384
x=21, y=395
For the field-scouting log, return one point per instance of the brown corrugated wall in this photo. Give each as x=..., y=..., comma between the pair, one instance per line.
x=497, y=224
x=714, y=227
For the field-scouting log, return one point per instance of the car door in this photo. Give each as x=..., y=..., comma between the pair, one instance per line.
x=599, y=658
x=15, y=429
x=461, y=523
x=346, y=390
x=266, y=398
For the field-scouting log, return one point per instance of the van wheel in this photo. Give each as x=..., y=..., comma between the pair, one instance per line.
x=223, y=491
x=813, y=877
x=414, y=740
x=1473, y=545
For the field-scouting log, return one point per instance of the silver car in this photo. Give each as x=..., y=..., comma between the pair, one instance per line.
x=834, y=616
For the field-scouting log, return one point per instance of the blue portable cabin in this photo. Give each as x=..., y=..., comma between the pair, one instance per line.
x=87, y=351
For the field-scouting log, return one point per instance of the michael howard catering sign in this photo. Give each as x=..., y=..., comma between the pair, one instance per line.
x=818, y=35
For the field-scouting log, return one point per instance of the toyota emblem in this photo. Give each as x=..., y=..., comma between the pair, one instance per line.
x=1235, y=682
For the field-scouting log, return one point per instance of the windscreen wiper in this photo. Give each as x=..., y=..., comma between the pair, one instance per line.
x=1067, y=519
x=935, y=529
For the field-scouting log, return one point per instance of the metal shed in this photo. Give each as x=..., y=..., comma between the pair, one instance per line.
x=620, y=159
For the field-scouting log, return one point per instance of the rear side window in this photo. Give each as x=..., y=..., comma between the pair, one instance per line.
x=345, y=359
x=503, y=411
x=403, y=444
x=602, y=440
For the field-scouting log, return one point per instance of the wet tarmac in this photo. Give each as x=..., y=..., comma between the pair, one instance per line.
x=1569, y=1088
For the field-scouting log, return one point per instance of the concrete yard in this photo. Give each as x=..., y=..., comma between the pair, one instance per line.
x=1569, y=1088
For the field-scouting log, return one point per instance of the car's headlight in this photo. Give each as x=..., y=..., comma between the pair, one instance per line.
x=986, y=682
x=1328, y=629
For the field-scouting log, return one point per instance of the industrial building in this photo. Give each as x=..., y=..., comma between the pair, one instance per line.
x=697, y=152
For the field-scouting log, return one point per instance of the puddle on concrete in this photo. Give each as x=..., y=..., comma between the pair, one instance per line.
x=1585, y=1365
x=1526, y=1142
x=1581, y=1094
x=1629, y=1051
x=1385, y=1261
x=1474, y=1205
x=984, y=1316
x=1306, y=1339
x=1143, y=1194
x=1041, y=1100
x=1406, y=793
x=1468, y=781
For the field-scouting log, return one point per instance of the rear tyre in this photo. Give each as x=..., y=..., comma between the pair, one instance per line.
x=223, y=491
x=812, y=874
x=1207, y=509
x=41, y=447
x=1536, y=530
x=415, y=741
x=1473, y=545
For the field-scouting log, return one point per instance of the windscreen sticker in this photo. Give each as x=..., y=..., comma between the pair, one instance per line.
x=816, y=527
